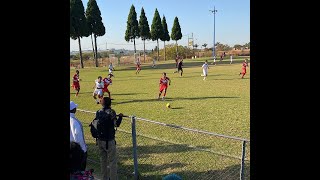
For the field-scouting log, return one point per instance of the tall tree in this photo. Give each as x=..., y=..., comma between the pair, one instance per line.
x=176, y=32
x=156, y=29
x=78, y=24
x=132, y=31
x=95, y=24
x=165, y=36
x=144, y=30
x=204, y=45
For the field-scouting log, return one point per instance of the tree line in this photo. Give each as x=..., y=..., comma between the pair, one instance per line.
x=89, y=23
x=159, y=30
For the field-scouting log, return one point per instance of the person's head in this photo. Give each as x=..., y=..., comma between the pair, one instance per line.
x=76, y=156
x=164, y=74
x=73, y=107
x=99, y=79
x=110, y=63
x=110, y=75
x=106, y=102
x=206, y=62
x=77, y=71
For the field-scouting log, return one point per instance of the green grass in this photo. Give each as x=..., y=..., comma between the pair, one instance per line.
x=220, y=104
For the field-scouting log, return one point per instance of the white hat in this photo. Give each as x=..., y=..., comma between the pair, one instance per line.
x=73, y=105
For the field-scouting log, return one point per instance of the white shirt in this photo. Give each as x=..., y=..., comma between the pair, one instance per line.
x=205, y=67
x=99, y=85
x=230, y=58
x=76, y=132
x=110, y=66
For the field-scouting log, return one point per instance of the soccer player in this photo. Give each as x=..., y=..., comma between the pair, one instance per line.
x=205, y=68
x=180, y=67
x=230, y=58
x=106, y=82
x=98, y=86
x=164, y=81
x=111, y=68
x=154, y=62
x=76, y=83
x=138, y=66
x=244, y=68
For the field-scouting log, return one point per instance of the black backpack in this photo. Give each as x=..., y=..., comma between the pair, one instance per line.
x=97, y=126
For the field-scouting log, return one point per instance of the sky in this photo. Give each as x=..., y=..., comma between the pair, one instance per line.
x=232, y=22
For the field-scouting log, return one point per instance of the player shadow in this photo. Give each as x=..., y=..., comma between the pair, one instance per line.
x=173, y=99
x=177, y=108
x=126, y=94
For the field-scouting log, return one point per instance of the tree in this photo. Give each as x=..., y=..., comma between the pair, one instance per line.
x=78, y=24
x=176, y=32
x=204, y=45
x=132, y=31
x=165, y=36
x=95, y=24
x=156, y=29
x=144, y=30
x=237, y=46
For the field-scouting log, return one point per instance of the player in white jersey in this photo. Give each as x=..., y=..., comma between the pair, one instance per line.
x=205, y=68
x=231, y=59
x=98, y=87
x=111, y=68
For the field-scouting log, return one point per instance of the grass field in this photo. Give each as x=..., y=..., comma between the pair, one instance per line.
x=221, y=104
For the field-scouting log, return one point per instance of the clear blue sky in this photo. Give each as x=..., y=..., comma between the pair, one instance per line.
x=232, y=22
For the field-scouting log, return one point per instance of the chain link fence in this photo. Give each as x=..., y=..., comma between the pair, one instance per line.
x=163, y=149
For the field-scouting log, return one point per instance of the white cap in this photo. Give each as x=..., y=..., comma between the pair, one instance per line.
x=73, y=105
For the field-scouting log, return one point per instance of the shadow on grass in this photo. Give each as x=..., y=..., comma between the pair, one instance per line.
x=177, y=98
x=152, y=166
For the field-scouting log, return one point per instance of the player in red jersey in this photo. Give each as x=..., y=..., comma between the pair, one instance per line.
x=107, y=81
x=75, y=82
x=138, y=66
x=164, y=83
x=244, y=68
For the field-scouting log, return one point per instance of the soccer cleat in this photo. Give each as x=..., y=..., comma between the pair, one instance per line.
x=163, y=98
x=98, y=102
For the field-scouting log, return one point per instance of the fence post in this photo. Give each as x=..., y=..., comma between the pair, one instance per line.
x=134, y=144
x=242, y=160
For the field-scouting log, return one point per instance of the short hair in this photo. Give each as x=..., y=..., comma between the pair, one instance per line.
x=164, y=73
x=107, y=101
x=77, y=71
x=99, y=77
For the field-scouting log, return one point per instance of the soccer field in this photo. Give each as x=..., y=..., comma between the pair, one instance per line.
x=220, y=104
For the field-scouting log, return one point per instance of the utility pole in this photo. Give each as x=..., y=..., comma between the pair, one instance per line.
x=214, y=31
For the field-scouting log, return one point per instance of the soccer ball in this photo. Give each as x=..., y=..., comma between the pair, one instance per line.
x=168, y=105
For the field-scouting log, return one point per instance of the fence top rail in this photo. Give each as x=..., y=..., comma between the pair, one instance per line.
x=184, y=128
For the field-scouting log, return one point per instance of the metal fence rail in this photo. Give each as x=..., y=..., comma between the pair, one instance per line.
x=148, y=149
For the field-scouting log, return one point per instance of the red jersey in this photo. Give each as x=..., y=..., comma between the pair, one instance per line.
x=106, y=82
x=244, y=64
x=76, y=78
x=164, y=81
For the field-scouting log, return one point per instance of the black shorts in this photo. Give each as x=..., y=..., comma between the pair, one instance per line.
x=180, y=69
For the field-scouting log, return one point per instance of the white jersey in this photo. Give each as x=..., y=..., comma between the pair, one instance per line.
x=110, y=66
x=205, y=67
x=99, y=85
x=230, y=58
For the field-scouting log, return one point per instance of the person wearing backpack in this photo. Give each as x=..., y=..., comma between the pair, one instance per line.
x=103, y=129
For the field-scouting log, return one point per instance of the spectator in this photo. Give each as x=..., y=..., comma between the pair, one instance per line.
x=76, y=156
x=76, y=134
x=106, y=143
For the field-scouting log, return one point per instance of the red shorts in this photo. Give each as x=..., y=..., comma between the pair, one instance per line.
x=138, y=68
x=105, y=90
x=76, y=85
x=162, y=87
x=244, y=70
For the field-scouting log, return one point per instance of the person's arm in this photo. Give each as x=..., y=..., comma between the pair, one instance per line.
x=169, y=81
x=94, y=85
x=119, y=120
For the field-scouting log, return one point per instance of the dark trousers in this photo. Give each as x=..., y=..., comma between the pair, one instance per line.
x=84, y=162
